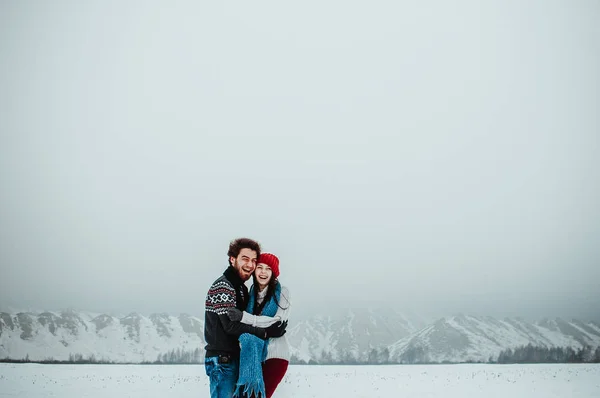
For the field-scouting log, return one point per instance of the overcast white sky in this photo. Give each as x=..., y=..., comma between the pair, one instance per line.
x=427, y=156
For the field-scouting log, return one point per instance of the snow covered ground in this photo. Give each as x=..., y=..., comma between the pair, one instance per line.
x=515, y=381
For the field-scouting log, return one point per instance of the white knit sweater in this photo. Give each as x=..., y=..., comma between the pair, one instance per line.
x=279, y=347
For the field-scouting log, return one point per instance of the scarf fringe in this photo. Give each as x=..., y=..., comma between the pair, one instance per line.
x=254, y=389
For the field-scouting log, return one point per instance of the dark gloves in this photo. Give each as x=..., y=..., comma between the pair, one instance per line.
x=234, y=314
x=276, y=329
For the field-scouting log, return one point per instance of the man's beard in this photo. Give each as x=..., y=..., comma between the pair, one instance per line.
x=241, y=272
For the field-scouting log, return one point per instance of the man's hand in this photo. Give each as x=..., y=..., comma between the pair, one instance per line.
x=276, y=329
x=234, y=314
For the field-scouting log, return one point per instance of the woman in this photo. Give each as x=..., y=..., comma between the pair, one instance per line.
x=269, y=303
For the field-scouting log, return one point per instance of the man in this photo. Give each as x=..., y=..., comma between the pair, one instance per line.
x=221, y=334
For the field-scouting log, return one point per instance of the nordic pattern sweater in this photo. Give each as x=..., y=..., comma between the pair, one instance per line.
x=220, y=333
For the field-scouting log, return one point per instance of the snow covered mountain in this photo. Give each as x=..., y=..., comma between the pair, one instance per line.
x=354, y=336
x=350, y=336
x=133, y=338
x=467, y=338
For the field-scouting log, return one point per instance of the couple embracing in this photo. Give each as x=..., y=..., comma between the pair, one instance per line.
x=247, y=353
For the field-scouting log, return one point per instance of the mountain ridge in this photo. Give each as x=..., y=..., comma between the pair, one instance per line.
x=362, y=335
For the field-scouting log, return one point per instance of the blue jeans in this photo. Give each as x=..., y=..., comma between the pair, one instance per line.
x=223, y=377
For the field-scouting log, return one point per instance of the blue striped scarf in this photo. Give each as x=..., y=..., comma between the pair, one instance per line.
x=254, y=352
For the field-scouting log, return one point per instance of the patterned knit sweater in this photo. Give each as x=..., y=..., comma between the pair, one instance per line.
x=220, y=333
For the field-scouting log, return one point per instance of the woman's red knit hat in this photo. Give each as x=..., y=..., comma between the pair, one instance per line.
x=271, y=260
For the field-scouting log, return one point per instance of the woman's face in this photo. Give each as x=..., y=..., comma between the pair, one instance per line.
x=263, y=274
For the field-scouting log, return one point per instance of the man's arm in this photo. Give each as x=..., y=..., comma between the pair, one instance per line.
x=237, y=328
x=261, y=321
x=220, y=298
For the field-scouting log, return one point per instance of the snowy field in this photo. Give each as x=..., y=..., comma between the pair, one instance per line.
x=148, y=381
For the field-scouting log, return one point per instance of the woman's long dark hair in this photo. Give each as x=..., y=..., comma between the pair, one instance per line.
x=270, y=293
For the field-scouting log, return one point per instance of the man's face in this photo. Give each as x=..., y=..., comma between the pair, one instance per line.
x=245, y=263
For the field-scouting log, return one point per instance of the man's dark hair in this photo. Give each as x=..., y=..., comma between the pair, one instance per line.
x=242, y=243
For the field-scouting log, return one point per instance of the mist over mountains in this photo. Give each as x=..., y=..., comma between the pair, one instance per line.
x=351, y=336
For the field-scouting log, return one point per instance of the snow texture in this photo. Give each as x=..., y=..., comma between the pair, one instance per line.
x=447, y=381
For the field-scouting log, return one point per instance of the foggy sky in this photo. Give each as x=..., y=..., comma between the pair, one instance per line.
x=426, y=156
